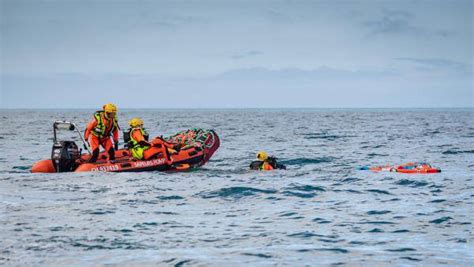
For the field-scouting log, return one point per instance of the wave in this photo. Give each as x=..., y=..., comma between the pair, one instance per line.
x=372, y=155
x=320, y=220
x=410, y=258
x=307, y=234
x=173, y=197
x=325, y=136
x=104, y=243
x=99, y=212
x=377, y=191
x=298, y=194
x=260, y=255
x=305, y=161
x=455, y=152
x=378, y=212
x=336, y=250
x=377, y=222
x=350, y=180
x=305, y=188
x=412, y=183
x=401, y=231
x=21, y=167
x=400, y=249
x=303, y=191
x=441, y=220
x=182, y=263
x=376, y=230
x=236, y=192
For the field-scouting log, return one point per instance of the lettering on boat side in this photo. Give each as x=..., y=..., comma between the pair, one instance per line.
x=148, y=163
x=137, y=164
x=106, y=168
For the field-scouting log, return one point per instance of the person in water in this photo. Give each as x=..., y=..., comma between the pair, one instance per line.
x=141, y=149
x=265, y=163
x=99, y=130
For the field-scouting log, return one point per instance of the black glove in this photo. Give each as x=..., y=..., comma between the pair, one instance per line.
x=177, y=147
x=116, y=145
x=144, y=143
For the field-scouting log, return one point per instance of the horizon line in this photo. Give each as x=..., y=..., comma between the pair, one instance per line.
x=233, y=108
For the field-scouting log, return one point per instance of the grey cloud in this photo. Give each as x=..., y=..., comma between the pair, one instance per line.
x=401, y=22
x=444, y=33
x=278, y=17
x=392, y=22
x=391, y=25
x=398, y=13
x=174, y=21
x=155, y=16
x=321, y=73
x=439, y=63
x=246, y=54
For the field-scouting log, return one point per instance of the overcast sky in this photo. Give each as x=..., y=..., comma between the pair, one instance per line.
x=212, y=54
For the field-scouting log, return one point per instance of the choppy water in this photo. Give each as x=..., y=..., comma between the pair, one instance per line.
x=320, y=211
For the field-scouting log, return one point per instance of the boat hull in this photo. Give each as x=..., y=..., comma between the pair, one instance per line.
x=193, y=155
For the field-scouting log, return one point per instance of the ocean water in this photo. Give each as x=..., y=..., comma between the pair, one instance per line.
x=320, y=211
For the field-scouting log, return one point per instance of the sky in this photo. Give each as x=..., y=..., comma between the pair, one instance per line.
x=236, y=54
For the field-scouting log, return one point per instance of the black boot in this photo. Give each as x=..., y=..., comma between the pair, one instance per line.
x=111, y=153
x=95, y=155
x=168, y=159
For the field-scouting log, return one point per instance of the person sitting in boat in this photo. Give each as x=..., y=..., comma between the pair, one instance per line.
x=141, y=149
x=265, y=163
x=99, y=130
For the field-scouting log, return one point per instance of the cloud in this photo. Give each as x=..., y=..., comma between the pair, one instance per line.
x=439, y=63
x=173, y=22
x=398, y=13
x=391, y=25
x=246, y=54
x=252, y=87
x=443, y=33
x=277, y=16
x=401, y=22
x=151, y=17
x=321, y=73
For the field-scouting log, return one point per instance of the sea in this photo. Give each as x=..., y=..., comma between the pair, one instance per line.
x=322, y=210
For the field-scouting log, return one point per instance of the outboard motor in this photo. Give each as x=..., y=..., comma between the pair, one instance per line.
x=65, y=153
x=64, y=156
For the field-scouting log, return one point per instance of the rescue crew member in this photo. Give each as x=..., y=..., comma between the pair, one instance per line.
x=99, y=130
x=141, y=149
x=265, y=163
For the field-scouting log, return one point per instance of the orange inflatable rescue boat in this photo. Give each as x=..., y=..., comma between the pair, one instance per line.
x=197, y=147
x=410, y=167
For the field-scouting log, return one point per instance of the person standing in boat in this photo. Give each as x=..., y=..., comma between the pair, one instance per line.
x=141, y=149
x=265, y=163
x=100, y=129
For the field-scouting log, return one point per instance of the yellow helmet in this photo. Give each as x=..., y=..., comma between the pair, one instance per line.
x=110, y=108
x=262, y=155
x=135, y=122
